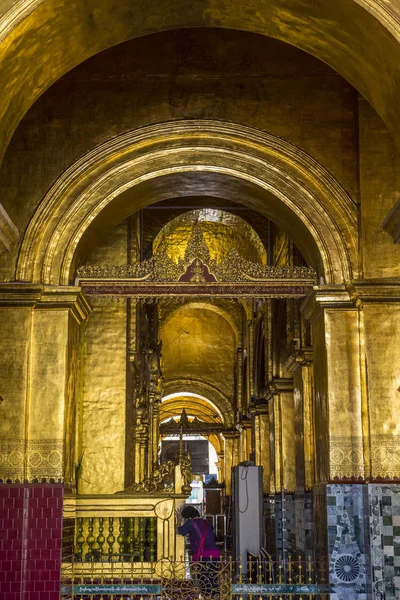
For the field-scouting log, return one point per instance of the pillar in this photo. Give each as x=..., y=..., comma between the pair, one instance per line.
x=38, y=383
x=281, y=399
x=340, y=400
x=380, y=304
x=155, y=430
x=231, y=457
x=245, y=444
x=260, y=414
x=300, y=366
x=221, y=466
x=239, y=370
x=284, y=439
x=355, y=332
x=380, y=325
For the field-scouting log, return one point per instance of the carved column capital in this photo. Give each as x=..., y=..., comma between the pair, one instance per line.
x=259, y=407
x=231, y=434
x=375, y=290
x=280, y=384
x=301, y=358
x=326, y=296
x=46, y=297
x=70, y=297
x=244, y=423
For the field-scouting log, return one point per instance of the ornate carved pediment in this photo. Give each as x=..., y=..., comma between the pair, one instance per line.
x=196, y=274
x=161, y=479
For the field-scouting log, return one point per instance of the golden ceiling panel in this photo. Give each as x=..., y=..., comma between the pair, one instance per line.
x=199, y=343
x=221, y=230
x=356, y=38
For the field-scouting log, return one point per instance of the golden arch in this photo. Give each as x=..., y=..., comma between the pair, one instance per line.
x=358, y=38
x=184, y=158
x=194, y=405
x=203, y=390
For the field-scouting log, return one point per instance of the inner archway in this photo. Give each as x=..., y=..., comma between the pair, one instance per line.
x=303, y=373
x=191, y=158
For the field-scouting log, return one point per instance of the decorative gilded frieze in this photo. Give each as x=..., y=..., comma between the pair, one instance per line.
x=196, y=274
x=385, y=457
x=30, y=461
x=162, y=269
x=193, y=426
x=164, y=478
x=346, y=458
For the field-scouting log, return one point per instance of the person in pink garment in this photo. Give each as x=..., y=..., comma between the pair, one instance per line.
x=203, y=549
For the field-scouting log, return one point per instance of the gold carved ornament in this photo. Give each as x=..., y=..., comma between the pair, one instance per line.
x=186, y=471
x=162, y=269
x=161, y=479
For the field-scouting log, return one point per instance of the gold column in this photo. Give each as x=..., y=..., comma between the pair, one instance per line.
x=39, y=385
x=275, y=442
x=151, y=436
x=284, y=420
x=260, y=413
x=138, y=473
x=380, y=344
x=300, y=366
x=240, y=380
x=16, y=308
x=141, y=441
x=143, y=449
x=339, y=383
x=231, y=457
x=221, y=467
x=250, y=370
x=245, y=442
x=156, y=421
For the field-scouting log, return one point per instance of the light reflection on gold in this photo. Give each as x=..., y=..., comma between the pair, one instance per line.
x=193, y=405
x=222, y=231
x=68, y=388
x=199, y=344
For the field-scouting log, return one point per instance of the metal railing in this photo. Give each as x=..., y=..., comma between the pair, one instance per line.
x=121, y=528
x=298, y=579
x=124, y=539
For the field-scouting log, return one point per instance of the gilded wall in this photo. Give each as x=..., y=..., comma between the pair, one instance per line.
x=230, y=76
x=199, y=344
x=382, y=355
x=102, y=428
x=379, y=191
x=214, y=74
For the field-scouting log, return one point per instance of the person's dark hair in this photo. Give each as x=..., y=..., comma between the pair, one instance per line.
x=189, y=512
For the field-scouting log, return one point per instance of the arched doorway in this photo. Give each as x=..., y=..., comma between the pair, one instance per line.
x=311, y=421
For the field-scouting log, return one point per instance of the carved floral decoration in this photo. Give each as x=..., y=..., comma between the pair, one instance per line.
x=196, y=267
